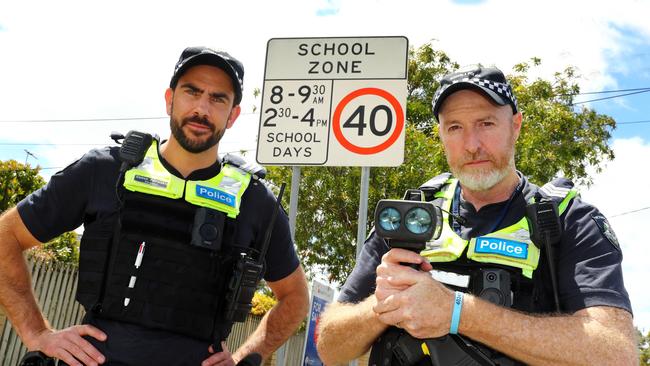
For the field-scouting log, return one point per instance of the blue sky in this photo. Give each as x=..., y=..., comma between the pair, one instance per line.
x=633, y=72
x=74, y=59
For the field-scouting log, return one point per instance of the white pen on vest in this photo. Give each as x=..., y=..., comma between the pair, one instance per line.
x=138, y=262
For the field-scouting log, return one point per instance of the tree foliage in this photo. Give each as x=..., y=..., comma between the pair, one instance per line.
x=557, y=138
x=644, y=348
x=17, y=181
x=572, y=139
x=64, y=248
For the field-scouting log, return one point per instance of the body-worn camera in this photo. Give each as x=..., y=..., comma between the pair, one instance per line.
x=207, y=231
x=408, y=223
x=493, y=285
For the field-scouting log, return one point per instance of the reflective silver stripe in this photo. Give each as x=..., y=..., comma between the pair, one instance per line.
x=249, y=167
x=230, y=185
x=554, y=191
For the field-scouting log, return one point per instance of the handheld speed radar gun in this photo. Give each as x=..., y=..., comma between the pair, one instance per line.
x=408, y=223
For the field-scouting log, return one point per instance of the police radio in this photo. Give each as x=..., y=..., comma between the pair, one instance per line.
x=247, y=271
x=133, y=149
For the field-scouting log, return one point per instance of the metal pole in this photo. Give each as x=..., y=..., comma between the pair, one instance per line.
x=363, y=208
x=281, y=353
x=293, y=200
x=361, y=225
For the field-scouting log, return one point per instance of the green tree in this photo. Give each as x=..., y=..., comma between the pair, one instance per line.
x=328, y=201
x=64, y=248
x=644, y=348
x=573, y=139
x=17, y=181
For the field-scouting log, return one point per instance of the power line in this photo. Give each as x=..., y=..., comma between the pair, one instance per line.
x=109, y=144
x=605, y=92
x=221, y=154
x=633, y=122
x=630, y=212
x=612, y=97
x=74, y=120
x=80, y=120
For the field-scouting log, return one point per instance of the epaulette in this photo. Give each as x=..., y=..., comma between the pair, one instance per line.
x=433, y=185
x=257, y=171
x=557, y=189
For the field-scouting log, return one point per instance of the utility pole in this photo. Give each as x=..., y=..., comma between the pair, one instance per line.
x=28, y=155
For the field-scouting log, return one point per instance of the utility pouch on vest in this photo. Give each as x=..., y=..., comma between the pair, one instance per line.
x=37, y=358
x=397, y=347
x=546, y=230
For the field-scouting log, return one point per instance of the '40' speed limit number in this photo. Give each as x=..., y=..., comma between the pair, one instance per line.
x=368, y=121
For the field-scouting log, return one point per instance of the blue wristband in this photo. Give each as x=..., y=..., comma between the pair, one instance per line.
x=455, y=313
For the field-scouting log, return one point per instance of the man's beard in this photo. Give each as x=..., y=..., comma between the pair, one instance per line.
x=195, y=146
x=482, y=179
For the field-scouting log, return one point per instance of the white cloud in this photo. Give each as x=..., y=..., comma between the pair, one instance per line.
x=621, y=188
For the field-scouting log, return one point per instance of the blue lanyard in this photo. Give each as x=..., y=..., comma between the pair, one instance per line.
x=455, y=208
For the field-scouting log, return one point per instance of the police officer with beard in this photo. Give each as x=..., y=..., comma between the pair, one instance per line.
x=153, y=292
x=484, y=283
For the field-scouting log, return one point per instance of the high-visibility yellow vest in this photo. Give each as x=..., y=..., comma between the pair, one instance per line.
x=510, y=246
x=222, y=192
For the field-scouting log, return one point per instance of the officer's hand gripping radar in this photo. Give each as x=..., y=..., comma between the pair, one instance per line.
x=409, y=224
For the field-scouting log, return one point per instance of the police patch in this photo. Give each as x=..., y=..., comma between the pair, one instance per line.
x=606, y=229
x=506, y=248
x=216, y=195
x=150, y=181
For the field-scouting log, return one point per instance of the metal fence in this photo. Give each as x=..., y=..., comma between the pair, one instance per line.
x=55, y=285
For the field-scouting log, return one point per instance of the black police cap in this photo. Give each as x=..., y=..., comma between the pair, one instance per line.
x=193, y=56
x=488, y=80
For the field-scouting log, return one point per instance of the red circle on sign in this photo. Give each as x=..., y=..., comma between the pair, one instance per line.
x=399, y=124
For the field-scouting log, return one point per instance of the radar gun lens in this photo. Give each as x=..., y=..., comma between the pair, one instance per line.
x=389, y=219
x=418, y=220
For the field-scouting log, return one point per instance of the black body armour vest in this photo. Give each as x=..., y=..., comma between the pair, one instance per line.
x=179, y=287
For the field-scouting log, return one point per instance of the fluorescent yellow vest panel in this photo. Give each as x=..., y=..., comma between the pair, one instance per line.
x=510, y=246
x=222, y=192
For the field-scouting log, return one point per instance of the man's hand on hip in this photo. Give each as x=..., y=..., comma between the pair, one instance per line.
x=223, y=358
x=69, y=345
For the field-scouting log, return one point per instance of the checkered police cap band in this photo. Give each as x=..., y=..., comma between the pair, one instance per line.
x=481, y=78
